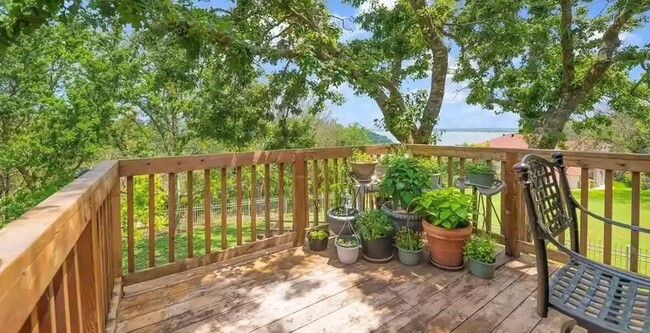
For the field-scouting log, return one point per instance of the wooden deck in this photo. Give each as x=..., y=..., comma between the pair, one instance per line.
x=292, y=289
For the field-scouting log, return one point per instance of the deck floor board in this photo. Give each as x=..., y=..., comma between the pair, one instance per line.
x=296, y=290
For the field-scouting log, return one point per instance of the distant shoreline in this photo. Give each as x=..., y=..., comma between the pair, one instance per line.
x=484, y=130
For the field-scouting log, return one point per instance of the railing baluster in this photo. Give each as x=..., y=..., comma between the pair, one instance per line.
x=488, y=209
x=172, y=217
x=636, y=216
x=71, y=296
x=224, y=210
x=315, y=190
x=300, y=208
x=130, y=229
x=267, y=201
x=93, y=318
x=326, y=186
x=117, y=230
x=51, y=307
x=450, y=171
x=281, y=198
x=151, y=236
x=190, y=214
x=77, y=287
x=336, y=176
x=207, y=210
x=253, y=207
x=239, y=206
x=607, y=239
x=60, y=301
x=584, y=200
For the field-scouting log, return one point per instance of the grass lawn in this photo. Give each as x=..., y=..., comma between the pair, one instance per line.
x=141, y=246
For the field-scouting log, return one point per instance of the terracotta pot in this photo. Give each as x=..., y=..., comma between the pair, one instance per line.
x=446, y=245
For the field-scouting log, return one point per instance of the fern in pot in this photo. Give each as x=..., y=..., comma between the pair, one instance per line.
x=376, y=230
x=446, y=223
x=479, y=251
x=409, y=246
x=405, y=179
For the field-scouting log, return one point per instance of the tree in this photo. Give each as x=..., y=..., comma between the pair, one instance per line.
x=57, y=89
x=548, y=61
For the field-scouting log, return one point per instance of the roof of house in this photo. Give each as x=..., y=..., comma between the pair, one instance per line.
x=508, y=140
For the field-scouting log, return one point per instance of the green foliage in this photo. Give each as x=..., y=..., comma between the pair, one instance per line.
x=374, y=224
x=407, y=239
x=429, y=165
x=141, y=206
x=480, y=248
x=447, y=208
x=360, y=156
x=478, y=167
x=317, y=234
x=348, y=241
x=404, y=180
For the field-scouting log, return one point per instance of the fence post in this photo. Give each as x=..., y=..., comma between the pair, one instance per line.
x=300, y=205
x=511, y=202
x=117, y=229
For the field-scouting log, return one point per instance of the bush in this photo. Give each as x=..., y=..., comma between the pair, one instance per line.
x=407, y=239
x=317, y=235
x=480, y=248
x=447, y=208
x=374, y=224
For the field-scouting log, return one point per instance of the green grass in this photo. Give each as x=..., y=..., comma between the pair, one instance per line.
x=161, y=243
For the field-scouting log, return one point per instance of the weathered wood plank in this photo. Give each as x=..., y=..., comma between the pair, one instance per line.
x=607, y=236
x=239, y=231
x=267, y=201
x=326, y=185
x=555, y=322
x=281, y=198
x=190, y=214
x=224, y=210
x=130, y=231
x=171, y=206
x=635, y=218
x=253, y=204
x=151, y=235
x=584, y=200
x=207, y=210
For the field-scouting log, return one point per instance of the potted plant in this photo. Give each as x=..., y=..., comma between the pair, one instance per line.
x=363, y=165
x=480, y=173
x=375, y=230
x=318, y=239
x=347, y=248
x=446, y=214
x=479, y=251
x=431, y=168
x=404, y=180
x=409, y=246
x=342, y=211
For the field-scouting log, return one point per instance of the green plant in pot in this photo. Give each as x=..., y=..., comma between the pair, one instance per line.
x=342, y=210
x=404, y=180
x=376, y=230
x=447, y=213
x=409, y=246
x=363, y=165
x=432, y=169
x=347, y=248
x=479, y=251
x=318, y=239
x=480, y=174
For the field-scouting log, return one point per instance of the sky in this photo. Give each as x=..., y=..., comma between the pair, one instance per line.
x=455, y=113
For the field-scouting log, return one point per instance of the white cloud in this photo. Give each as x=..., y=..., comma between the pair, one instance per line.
x=370, y=4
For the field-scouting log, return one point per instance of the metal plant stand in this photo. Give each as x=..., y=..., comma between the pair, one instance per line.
x=481, y=194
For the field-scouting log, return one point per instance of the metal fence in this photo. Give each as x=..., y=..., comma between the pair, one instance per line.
x=620, y=255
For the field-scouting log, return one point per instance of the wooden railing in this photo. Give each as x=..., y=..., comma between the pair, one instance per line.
x=61, y=264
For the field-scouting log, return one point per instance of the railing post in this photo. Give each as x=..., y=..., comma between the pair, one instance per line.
x=300, y=213
x=117, y=229
x=511, y=204
x=88, y=257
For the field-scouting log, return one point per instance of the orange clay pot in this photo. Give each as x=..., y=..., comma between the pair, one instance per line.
x=446, y=245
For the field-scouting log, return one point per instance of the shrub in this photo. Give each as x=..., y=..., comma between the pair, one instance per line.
x=404, y=180
x=317, y=235
x=478, y=167
x=447, y=208
x=480, y=248
x=407, y=239
x=360, y=156
x=374, y=224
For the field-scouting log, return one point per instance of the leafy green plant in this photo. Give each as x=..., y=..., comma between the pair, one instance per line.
x=317, y=235
x=480, y=248
x=478, y=167
x=407, y=239
x=447, y=208
x=404, y=180
x=360, y=156
x=347, y=242
x=430, y=166
x=341, y=188
x=374, y=224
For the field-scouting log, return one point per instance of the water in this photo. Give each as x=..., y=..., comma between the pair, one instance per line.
x=451, y=138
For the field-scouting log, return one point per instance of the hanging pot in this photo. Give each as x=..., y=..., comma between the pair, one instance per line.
x=336, y=218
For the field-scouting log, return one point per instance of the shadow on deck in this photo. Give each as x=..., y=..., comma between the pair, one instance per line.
x=293, y=289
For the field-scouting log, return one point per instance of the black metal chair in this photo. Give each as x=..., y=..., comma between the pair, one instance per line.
x=599, y=297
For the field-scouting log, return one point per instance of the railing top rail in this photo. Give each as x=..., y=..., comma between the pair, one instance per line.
x=33, y=247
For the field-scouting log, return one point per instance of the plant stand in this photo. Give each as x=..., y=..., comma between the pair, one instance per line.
x=481, y=195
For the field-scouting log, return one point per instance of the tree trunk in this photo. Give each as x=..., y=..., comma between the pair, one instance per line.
x=550, y=130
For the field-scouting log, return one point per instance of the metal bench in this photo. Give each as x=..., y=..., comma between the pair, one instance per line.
x=599, y=297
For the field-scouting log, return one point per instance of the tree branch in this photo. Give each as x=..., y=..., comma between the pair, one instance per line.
x=566, y=41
